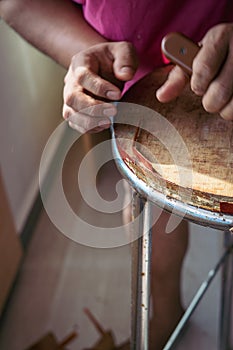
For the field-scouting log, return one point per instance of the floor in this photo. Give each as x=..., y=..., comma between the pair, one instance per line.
x=60, y=277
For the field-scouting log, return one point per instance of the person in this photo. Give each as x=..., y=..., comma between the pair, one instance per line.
x=107, y=46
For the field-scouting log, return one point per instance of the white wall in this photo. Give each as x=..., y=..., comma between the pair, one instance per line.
x=30, y=109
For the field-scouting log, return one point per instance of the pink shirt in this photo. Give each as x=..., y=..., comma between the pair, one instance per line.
x=145, y=22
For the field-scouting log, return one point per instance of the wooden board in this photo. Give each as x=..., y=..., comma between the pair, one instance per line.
x=208, y=141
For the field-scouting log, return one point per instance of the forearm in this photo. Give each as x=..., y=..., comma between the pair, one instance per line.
x=56, y=27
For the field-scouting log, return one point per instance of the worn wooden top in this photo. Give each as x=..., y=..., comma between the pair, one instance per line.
x=190, y=159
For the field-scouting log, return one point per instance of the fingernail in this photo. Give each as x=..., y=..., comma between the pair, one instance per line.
x=104, y=123
x=198, y=90
x=159, y=91
x=126, y=70
x=109, y=112
x=113, y=95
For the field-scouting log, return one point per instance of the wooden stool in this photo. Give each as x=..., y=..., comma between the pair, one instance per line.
x=181, y=160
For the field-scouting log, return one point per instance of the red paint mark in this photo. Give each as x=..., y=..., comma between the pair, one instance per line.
x=226, y=208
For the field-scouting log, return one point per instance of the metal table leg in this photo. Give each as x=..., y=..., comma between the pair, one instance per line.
x=141, y=257
x=226, y=297
x=225, y=318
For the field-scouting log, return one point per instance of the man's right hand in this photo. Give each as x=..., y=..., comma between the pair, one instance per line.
x=212, y=76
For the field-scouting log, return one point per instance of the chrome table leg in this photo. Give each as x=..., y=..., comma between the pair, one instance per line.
x=141, y=258
x=226, y=262
x=226, y=297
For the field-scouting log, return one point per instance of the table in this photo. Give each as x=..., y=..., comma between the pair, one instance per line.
x=180, y=158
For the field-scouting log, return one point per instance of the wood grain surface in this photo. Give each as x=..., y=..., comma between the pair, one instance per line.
x=185, y=153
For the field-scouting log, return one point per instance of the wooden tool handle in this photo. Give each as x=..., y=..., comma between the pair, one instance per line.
x=180, y=50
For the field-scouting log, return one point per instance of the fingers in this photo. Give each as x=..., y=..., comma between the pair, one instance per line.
x=227, y=112
x=91, y=117
x=95, y=75
x=173, y=86
x=220, y=90
x=84, y=78
x=97, y=86
x=212, y=76
x=212, y=73
x=78, y=100
x=84, y=113
x=85, y=124
x=209, y=60
x=113, y=61
x=125, y=60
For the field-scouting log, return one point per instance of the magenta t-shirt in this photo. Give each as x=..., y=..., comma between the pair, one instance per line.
x=145, y=22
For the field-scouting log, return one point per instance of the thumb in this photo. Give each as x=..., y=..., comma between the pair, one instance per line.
x=125, y=60
x=173, y=86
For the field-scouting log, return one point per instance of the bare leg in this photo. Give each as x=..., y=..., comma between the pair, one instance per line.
x=168, y=251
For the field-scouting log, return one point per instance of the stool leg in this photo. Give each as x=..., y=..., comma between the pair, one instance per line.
x=226, y=297
x=141, y=258
x=197, y=298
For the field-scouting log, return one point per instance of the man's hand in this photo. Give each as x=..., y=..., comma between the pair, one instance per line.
x=212, y=76
x=96, y=77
